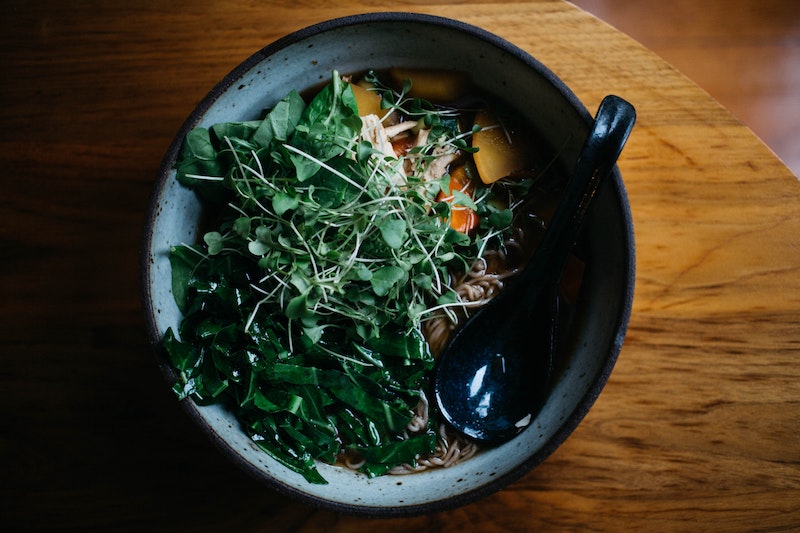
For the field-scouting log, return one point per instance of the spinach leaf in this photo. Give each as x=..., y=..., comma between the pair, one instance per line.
x=327, y=127
x=281, y=121
x=382, y=457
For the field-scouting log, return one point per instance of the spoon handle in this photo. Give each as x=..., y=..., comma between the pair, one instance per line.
x=612, y=126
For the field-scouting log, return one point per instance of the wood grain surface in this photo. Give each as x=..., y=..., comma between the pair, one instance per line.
x=697, y=429
x=745, y=53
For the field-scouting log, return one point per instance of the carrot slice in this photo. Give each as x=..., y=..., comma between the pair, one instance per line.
x=462, y=218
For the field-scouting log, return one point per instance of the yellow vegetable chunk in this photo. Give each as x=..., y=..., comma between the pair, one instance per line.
x=368, y=102
x=434, y=85
x=500, y=152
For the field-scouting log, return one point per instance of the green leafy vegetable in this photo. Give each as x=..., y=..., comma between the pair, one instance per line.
x=302, y=308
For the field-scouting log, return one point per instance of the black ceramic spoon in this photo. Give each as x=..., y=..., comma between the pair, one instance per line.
x=493, y=377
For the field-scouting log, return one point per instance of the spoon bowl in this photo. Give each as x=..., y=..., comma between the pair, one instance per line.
x=494, y=375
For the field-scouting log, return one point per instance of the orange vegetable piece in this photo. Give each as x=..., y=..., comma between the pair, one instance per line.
x=432, y=84
x=500, y=153
x=368, y=102
x=462, y=218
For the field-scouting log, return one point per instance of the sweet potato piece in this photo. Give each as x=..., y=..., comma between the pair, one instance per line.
x=429, y=84
x=500, y=152
x=369, y=102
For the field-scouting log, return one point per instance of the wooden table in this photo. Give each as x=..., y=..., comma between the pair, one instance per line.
x=696, y=430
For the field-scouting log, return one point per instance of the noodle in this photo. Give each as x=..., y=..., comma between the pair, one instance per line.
x=481, y=283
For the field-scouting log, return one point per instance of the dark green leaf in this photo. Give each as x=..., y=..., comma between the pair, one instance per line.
x=182, y=261
x=385, y=278
x=283, y=202
x=281, y=121
x=297, y=306
x=214, y=242
x=387, y=455
x=405, y=345
x=394, y=232
x=501, y=219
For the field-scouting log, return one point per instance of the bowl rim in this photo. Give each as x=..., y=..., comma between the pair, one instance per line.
x=620, y=326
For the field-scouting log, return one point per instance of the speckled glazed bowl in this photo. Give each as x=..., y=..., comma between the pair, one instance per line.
x=306, y=58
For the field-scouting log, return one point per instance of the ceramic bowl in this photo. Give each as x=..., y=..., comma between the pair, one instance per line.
x=303, y=60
